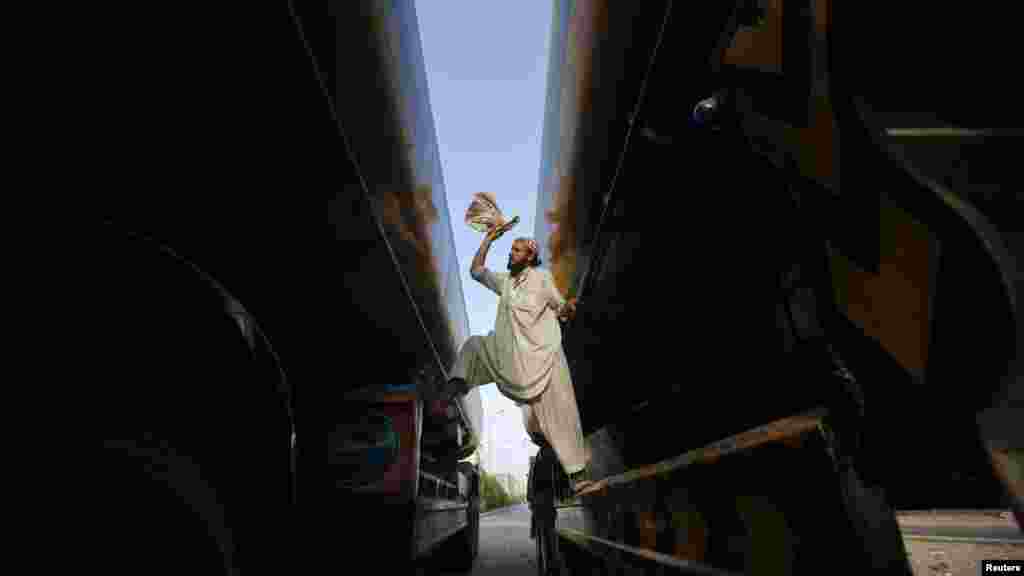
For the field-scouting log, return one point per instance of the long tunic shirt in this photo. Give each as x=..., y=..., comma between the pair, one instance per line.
x=524, y=352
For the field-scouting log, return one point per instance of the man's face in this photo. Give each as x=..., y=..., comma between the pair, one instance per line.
x=519, y=255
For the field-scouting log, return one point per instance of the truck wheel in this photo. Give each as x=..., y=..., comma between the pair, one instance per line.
x=541, y=556
x=473, y=531
x=461, y=551
x=547, y=551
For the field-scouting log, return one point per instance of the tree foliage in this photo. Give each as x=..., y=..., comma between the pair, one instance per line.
x=492, y=493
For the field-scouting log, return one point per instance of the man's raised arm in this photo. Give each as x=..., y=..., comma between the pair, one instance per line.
x=479, y=272
x=476, y=269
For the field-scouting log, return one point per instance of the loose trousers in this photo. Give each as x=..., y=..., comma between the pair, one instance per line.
x=552, y=414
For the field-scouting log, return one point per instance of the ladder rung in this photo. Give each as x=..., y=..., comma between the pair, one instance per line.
x=641, y=555
x=437, y=480
x=779, y=430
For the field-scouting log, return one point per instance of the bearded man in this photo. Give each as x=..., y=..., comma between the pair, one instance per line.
x=523, y=355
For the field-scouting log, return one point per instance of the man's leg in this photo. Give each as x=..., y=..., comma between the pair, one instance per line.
x=557, y=416
x=532, y=425
x=471, y=368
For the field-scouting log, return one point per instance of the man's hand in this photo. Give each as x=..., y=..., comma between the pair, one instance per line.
x=568, y=312
x=493, y=234
x=485, y=245
x=498, y=231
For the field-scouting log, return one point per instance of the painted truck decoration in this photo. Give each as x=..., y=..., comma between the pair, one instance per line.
x=365, y=449
x=375, y=449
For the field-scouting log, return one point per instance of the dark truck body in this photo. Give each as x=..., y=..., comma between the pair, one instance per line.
x=712, y=266
x=728, y=267
x=306, y=180
x=395, y=218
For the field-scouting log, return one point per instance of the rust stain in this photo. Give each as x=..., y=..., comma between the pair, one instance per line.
x=588, y=25
x=710, y=456
x=892, y=306
x=647, y=471
x=822, y=16
x=817, y=150
x=562, y=240
x=648, y=528
x=690, y=536
x=1009, y=467
x=410, y=215
x=794, y=441
x=761, y=47
x=815, y=147
x=788, y=429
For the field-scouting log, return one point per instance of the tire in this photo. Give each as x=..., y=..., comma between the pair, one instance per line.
x=542, y=514
x=547, y=551
x=473, y=531
x=542, y=569
x=461, y=551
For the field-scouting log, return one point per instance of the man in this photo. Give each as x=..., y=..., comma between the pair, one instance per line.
x=523, y=355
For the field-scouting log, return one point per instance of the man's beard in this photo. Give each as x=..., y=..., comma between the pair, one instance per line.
x=515, y=268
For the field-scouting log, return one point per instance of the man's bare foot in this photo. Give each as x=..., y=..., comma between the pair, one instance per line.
x=580, y=481
x=581, y=485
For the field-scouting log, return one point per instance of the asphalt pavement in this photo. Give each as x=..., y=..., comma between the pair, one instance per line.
x=961, y=526
x=505, y=545
x=506, y=548
x=966, y=532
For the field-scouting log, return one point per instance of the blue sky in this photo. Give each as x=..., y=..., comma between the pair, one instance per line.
x=486, y=66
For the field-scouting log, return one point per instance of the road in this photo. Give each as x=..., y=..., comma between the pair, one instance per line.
x=963, y=525
x=965, y=532
x=506, y=548
x=951, y=542
x=505, y=545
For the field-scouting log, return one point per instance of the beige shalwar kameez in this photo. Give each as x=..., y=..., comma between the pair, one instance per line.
x=523, y=355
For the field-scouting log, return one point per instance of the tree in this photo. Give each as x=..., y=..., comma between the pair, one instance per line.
x=492, y=494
